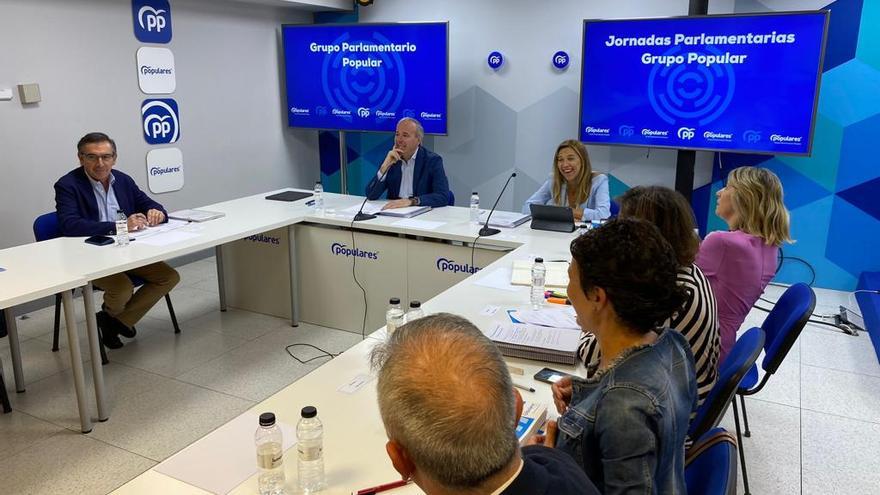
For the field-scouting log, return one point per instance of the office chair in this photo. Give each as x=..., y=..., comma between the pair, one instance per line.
x=45, y=228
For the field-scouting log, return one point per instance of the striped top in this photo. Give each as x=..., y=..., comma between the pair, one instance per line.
x=697, y=321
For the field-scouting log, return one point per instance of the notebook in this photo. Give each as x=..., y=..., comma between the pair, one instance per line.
x=555, y=345
x=504, y=219
x=289, y=196
x=196, y=215
x=557, y=273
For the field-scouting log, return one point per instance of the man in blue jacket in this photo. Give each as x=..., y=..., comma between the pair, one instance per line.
x=87, y=200
x=411, y=174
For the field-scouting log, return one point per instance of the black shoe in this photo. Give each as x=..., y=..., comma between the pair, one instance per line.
x=108, y=331
x=117, y=325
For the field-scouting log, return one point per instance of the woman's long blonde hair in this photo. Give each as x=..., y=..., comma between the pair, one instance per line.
x=584, y=178
x=757, y=204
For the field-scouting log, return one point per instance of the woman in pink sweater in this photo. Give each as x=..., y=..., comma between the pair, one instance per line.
x=740, y=263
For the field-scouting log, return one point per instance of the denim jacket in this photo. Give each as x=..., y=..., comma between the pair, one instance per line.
x=627, y=424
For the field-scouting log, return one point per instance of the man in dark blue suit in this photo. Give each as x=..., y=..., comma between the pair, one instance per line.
x=411, y=174
x=87, y=200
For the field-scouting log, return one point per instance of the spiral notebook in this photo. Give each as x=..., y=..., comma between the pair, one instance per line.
x=555, y=345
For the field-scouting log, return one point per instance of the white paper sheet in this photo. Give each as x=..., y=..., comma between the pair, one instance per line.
x=558, y=339
x=355, y=384
x=561, y=317
x=419, y=224
x=370, y=208
x=172, y=224
x=498, y=279
x=167, y=238
x=489, y=310
x=225, y=458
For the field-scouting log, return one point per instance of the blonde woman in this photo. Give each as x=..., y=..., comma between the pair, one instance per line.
x=740, y=263
x=574, y=184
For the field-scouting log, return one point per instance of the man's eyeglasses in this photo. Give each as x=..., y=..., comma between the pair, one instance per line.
x=92, y=158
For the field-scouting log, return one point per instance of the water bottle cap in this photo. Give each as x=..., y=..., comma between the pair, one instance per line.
x=317, y=182
x=475, y=193
x=415, y=304
x=539, y=260
x=267, y=419
x=309, y=412
x=394, y=300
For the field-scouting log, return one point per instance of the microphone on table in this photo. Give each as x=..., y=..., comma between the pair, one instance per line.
x=361, y=216
x=486, y=230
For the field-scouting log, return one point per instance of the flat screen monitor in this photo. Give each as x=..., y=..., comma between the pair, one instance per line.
x=745, y=83
x=366, y=77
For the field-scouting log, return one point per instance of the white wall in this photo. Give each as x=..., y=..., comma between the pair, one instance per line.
x=234, y=137
x=514, y=118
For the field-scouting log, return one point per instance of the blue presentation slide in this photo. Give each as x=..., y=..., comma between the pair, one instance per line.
x=741, y=83
x=366, y=77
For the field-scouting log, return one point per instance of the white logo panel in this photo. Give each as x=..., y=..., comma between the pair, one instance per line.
x=156, y=72
x=165, y=170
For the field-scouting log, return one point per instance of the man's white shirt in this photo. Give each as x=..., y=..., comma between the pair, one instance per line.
x=407, y=169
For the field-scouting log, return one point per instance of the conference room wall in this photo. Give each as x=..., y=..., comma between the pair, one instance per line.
x=513, y=119
x=234, y=138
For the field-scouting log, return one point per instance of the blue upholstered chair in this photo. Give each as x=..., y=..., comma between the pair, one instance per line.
x=782, y=327
x=710, y=468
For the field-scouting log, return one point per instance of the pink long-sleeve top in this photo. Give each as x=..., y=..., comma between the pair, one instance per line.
x=739, y=266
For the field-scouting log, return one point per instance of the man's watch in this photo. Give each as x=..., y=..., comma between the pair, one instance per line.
x=415, y=201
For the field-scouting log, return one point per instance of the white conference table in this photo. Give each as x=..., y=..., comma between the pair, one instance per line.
x=354, y=437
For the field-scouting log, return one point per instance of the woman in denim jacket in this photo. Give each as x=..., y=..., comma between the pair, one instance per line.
x=626, y=425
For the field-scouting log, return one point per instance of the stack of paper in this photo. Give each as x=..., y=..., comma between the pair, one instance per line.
x=375, y=208
x=195, y=215
x=506, y=219
x=557, y=273
x=555, y=345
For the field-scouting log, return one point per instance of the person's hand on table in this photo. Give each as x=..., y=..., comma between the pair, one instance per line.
x=155, y=217
x=562, y=393
x=137, y=221
x=398, y=203
x=548, y=439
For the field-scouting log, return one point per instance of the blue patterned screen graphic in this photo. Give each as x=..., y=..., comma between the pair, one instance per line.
x=366, y=77
x=736, y=83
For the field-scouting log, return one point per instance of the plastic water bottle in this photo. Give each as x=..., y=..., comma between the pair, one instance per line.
x=475, y=207
x=539, y=272
x=415, y=311
x=394, y=317
x=319, y=198
x=310, y=446
x=270, y=456
x=121, y=228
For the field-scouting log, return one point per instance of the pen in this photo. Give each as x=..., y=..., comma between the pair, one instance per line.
x=310, y=202
x=381, y=488
x=523, y=387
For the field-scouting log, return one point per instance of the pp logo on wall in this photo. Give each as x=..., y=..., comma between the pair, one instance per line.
x=495, y=60
x=560, y=60
x=165, y=170
x=156, y=74
x=152, y=20
x=161, y=121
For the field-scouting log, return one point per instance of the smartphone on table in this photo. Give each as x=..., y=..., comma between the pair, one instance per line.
x=549, y=375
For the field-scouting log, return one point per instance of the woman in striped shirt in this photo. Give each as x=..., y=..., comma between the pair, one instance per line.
x=698, y=318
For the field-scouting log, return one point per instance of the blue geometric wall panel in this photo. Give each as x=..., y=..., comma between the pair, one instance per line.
x=858, y=153
x=843, y=32
x=853, y=238
x=865, y=196
x=849, y=92
x=799, y=190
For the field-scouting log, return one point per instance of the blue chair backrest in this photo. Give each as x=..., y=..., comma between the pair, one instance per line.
x=614, y=208
x=46, y=227
x=741, y=358
x=451, y=199
x=712, y=471
x=784, y=323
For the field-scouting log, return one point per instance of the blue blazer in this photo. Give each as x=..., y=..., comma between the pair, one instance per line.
x=429, y=181
x=77, y=207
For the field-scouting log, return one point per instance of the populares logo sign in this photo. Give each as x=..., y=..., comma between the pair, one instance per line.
x=152, y=20
x=161, y=121
x=340, y=249
x=447, y=265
